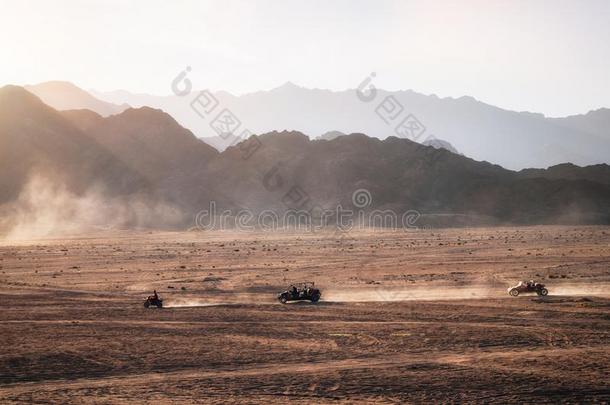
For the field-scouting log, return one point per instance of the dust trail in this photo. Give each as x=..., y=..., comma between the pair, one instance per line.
x=598, y=290
x=47, y=208
x=410, y=294
x=192, y=303
x=390, y=294
x=214, y=301
x=453, y=293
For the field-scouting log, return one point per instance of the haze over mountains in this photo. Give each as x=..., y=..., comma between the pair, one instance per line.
x=141, y=168
x=53, y=177
x=511, y=139
x=514, y=140
x=36, y=138
x=66, y=96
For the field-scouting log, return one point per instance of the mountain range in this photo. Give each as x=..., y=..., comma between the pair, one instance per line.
x=37, y=138
x=430, y=141
x=514, y=140
x=66, y=96
x=145, y=152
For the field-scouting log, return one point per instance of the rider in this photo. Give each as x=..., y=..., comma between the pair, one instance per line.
x=155, y=296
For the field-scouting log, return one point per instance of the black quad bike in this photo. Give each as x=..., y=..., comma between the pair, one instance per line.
x=154, y=301
x=300, y=292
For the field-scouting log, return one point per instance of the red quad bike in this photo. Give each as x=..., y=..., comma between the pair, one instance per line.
x=154, y=301
x=528, y=287
x=300, y=292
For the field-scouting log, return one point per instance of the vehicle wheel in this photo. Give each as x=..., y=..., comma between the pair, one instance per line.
x=283, y=299
x=315, y=298
x=514, y=292
x=159, y=305
x=544, y=292
x=146, y=304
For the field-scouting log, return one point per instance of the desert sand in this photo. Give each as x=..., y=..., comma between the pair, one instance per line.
x=417, y=316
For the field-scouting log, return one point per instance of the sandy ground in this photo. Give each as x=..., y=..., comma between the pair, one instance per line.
x=418, y=316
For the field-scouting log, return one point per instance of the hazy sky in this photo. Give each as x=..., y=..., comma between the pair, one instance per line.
x=544, y=56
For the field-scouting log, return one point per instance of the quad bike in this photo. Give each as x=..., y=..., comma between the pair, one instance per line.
x=154, y=301
x=528, y=287
x=300, y=292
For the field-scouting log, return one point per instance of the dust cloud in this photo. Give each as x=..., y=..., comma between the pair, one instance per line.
x=409, y=294
x=46, y=208
x=598, y=290
x=191, y=303
x=453, y=293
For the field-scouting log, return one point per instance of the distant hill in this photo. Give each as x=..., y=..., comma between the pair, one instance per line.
x=439, y=143
x=514, y=140
x=153, y=144
x=145, y=152
x=36, y=139
x=330, y=135
x=66, y=96
x=595, y=173
x=430, y=141
x=403, y=175
x=150, y=141
x=594, y=122
x=221, y=143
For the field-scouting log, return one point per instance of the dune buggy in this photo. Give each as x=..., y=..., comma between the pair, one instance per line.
x=300, y=292
x=528, y=287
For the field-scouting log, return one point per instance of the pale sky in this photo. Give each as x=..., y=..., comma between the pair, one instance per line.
x=542, y=56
